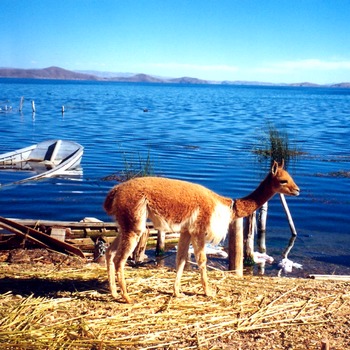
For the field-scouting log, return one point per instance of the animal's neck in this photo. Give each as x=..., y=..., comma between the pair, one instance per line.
x=247, y=205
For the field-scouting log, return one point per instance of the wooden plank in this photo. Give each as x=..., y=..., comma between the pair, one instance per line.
x=23, y=235
x=58, y=233
x=82, y=234
x=48, y=241
x=78, y=225
x=86, y=228
x=71, y=224
x=331, y=277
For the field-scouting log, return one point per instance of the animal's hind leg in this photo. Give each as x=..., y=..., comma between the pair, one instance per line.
x=198, y=243
x=181, y=258
x=110, y=256
x=126, y=243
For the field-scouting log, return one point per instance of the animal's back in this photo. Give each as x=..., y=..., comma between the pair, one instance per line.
x=167, y=200
x=158, y=191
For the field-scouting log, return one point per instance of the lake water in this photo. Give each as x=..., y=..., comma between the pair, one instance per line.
x=200, y=133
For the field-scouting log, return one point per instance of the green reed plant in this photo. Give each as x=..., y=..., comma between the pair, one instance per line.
x=140, y=168
x=275, y=145
x=133, y=168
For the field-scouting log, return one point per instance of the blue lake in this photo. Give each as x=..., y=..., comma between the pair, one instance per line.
x=200, y=133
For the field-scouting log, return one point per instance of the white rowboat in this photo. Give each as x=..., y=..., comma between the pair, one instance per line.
x=48, y=158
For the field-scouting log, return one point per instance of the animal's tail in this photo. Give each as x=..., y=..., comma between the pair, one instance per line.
x=108, y=203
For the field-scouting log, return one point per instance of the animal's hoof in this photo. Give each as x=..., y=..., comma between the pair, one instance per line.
x=179, y=295
x=115, y=296
x=127, y=299
x=210, y=292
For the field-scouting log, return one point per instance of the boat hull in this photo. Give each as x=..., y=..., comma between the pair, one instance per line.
x=48, y=158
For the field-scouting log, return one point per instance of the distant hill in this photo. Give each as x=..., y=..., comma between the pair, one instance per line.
x=105, y=74
x=144, y=78
x=130, y=77
x=242, y=82
x=138, y=78
x=188, y=80
x=45, y=73
x=305, y=84
x=341, y=85
x=64, y=74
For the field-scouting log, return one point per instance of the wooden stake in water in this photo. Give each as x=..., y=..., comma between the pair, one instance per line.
x=291, y=225
x=262, y=218
x=21, y=104
x=289, y=216
x=248, y=231
x=33, y=106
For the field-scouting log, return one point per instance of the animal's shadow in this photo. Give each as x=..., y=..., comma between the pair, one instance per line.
x=39, y=287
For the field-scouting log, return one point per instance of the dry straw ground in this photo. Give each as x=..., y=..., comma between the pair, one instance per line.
x=51, y=301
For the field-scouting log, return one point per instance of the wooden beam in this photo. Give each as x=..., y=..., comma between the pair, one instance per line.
x=331, y=277
x=45, y=239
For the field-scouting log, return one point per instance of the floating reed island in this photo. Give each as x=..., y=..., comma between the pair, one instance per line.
x=53, y=301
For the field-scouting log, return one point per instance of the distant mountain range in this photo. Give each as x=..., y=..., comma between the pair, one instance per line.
x=64, y=74
x=45, y=73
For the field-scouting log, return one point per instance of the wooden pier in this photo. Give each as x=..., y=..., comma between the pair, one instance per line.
x=81, y=238
x=26, y=233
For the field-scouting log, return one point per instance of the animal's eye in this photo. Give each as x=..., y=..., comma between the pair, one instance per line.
x=283, y=182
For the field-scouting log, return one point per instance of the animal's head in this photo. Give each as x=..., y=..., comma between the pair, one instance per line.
x=282, y=182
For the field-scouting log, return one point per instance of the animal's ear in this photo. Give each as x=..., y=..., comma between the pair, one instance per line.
x=274, y=168
x=282, y=165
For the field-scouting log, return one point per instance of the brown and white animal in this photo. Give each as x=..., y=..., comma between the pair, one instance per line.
x=199, y=214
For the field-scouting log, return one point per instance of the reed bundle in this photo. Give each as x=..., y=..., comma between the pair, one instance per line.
x=62, y=307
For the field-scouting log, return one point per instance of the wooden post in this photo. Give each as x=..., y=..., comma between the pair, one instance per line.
x=235, y=247
x=291, y=225
x=33, y=106
x=160, y=248
x=248, y=237
x=262, y=218
x=21, y=104
x=289, y=216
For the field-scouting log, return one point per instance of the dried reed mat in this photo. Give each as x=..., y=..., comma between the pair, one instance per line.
x=62, y=307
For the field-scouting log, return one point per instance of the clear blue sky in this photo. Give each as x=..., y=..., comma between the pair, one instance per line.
x=264, y=40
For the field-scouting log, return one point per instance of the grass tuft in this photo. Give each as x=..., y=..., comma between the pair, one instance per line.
x=275, y=144
x=139, y=168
